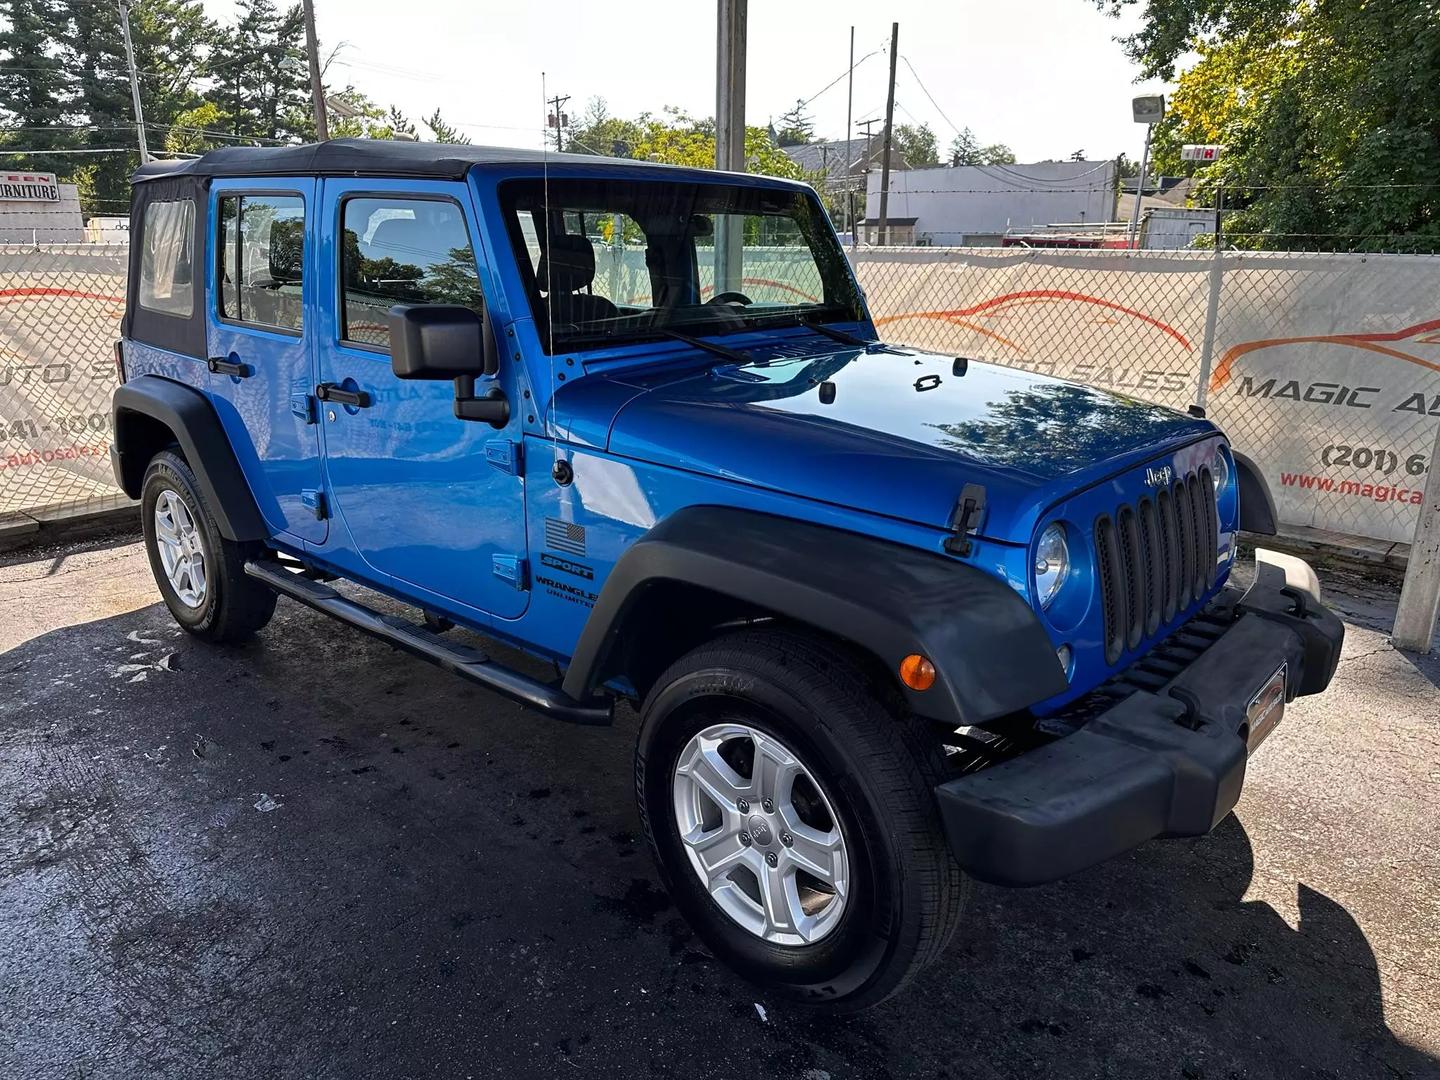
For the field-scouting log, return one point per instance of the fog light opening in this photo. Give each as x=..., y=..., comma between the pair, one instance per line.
x=1066, y=658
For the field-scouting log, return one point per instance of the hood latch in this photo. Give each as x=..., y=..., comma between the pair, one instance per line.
x=965, y=519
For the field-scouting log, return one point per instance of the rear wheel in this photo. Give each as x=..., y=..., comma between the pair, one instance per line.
x=201, y=574
x=792, y=814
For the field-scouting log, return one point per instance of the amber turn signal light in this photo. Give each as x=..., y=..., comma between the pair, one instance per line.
x=917, y=672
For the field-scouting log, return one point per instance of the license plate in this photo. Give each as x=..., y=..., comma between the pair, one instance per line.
x=1266, y=708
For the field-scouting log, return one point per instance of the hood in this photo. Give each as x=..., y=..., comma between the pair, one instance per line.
x=900, y=435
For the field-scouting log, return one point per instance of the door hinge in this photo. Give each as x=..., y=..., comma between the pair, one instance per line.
x=313, y=499
x=303, y=406
x=505, y=455
x=511, y=569
x=965, y=519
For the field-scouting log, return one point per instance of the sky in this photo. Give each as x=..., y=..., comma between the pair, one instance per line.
x=1045, y=77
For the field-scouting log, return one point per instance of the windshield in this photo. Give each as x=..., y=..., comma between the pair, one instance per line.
x=617, y=261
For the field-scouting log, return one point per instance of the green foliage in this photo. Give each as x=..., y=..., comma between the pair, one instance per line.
x=916, y=145
x=443, y=132
x=190, y=132
x=997, y=154
x=964, y=150
x=34, y=85
x=64, y=86
x=674, y=137
x=261, y=75
x=796, y=126
x=1330, y=118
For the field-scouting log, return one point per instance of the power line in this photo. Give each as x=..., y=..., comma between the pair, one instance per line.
x=925, y=90
x=847, y=71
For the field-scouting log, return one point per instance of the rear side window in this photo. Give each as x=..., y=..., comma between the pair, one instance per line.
x=262, y=260
x=166, y=278
x=401, y=251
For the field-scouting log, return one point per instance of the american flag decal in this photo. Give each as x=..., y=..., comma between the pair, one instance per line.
x=564, y=536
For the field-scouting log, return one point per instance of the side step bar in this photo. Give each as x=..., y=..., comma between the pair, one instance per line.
x=463, y=660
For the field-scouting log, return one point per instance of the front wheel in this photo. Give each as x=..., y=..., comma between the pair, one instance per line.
x=793, y=817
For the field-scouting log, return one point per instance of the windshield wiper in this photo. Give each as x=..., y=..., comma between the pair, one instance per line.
x=796, y=318
x=733, y=355
x=842, y=336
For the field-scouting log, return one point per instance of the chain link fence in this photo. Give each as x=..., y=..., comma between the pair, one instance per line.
x=1325, y=368
x=60, y=308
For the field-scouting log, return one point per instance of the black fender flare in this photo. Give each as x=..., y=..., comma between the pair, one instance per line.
x=991, y=655
x=1257, y=505
x=191, y=419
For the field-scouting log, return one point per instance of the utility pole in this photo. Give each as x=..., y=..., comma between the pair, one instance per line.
x=730, y=85
x=134, y=80
x=731, y=18
x=869, y=159
x=557, y=119
x=849, y=114
x=889, y=137
x=317, y=92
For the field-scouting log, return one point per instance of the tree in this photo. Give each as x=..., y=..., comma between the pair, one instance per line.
x=1327, y=112
x=916, y=146
x=443, y=132
x=997, y=154
x=796, y=126
x=171, y=40
x=964, y=150
x=35, y=88
x=600, y=133
x=262, y=79
x=677, y=138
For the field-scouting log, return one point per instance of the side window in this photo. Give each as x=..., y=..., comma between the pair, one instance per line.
x=166, y=280
x=262, y=260
x=401, y=251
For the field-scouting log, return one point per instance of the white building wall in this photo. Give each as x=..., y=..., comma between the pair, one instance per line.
x=43, y=222
x=969, y=203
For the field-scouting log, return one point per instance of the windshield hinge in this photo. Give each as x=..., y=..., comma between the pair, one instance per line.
x=505, y=455
x=511, y=569
x=965, y=519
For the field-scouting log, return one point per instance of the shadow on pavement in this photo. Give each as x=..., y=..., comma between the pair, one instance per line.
x=312, y=856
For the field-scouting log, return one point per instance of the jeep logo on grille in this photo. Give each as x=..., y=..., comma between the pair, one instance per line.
x=1159, y=476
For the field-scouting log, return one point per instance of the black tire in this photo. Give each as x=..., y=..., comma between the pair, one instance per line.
x=234, y=605
x=877, y=767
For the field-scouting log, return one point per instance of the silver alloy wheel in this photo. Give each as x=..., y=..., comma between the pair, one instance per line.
x=181, y=548
x=763, y=839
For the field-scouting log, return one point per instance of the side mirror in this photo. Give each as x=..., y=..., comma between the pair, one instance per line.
x=449, y=341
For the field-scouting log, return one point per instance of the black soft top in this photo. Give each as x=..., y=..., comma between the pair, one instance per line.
x=365, y=157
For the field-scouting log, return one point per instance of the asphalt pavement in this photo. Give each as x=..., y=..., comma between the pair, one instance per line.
x=312, y=856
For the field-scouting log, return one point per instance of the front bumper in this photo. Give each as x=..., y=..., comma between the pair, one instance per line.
x=1163, y=762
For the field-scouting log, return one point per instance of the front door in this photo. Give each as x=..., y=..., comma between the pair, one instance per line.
x=260, y=327
x=434, y=502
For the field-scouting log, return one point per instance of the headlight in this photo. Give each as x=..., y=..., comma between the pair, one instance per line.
x=1222, y=474
x=1052, y=563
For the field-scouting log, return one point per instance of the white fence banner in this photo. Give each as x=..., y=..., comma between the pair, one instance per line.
x=1325, y=368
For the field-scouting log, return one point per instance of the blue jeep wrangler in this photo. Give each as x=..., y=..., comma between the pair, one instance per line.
x=891, y=619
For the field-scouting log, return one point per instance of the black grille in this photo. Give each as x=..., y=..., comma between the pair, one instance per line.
x=1154, y=558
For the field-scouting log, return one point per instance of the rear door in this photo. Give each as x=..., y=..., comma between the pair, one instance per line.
x=434, y=502
x=260, y=331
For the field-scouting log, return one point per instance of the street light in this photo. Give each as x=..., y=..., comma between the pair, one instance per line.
x=1148, y=109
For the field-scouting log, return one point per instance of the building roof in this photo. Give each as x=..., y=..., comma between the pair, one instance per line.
x=834, y=157
x=368, y=157
x=890, y=221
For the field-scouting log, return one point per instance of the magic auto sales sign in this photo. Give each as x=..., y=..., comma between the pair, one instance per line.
x=28, y=187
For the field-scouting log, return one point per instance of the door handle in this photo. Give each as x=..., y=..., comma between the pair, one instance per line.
x=328, y=391
x=218, y=365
